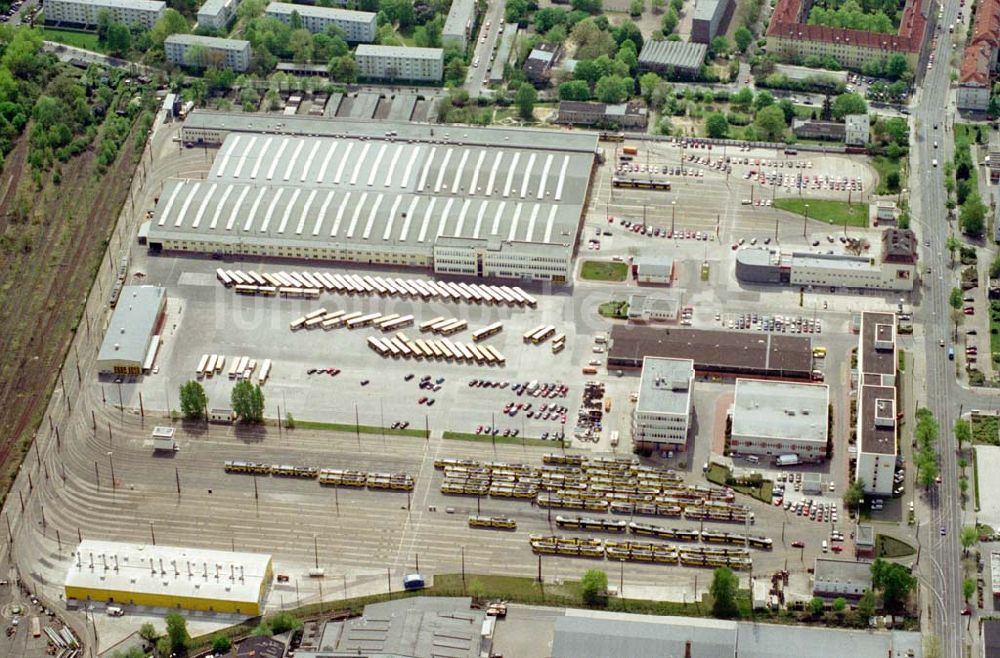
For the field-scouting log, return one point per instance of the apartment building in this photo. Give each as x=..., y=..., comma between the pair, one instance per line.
x=83, y=13
x=356, y=26
x=233, y=54
x=458, y=25
x=400, y=63
x=217, y=14
x=980, y=58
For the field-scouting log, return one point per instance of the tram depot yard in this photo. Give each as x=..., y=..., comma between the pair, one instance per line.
x=398, y=338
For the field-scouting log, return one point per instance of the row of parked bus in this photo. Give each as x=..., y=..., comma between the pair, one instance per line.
x=241, y=367
x=641, y=552
x=326, y=476
x=327, y=320
x=443, y=326
x=353, y=284
x=540, y=334
x=400, y=346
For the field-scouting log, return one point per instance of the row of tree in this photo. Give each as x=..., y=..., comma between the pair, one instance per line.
x=247, y=401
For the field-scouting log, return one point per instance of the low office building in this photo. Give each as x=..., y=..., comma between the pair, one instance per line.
x=538, y=65
x=657, y=270
x=131, y=341
x=778, y=418
x=673, y=59
x=457, y=30
x=662, y=414
x=894, y=269
x=201, y=52
x=84, y=13
x=876, y=429
x=169, y=577
x=710, y=18
x=864, y=541
x=885, y=212
x=836, y=578
x=832, y=131
x=714, y=352
x=217, y=14
x=356, y=26
x=400, y=63
x=857, y=129
x=625, y=116
x=653, y=308
x=470, y=201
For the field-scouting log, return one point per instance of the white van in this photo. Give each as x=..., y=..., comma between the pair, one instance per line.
x=826, y=547
x=934, y=162
x=753, y=459
x=115, y=611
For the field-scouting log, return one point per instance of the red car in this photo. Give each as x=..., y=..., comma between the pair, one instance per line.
x=966, y=611
x=836, y=548
x=422, y=400
x=798, y=544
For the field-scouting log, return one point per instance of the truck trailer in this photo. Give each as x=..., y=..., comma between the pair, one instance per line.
x=163, y=439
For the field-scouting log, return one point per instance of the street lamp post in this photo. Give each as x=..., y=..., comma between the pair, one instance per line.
x=805, y=220
x=673, y=213
x=111, y=461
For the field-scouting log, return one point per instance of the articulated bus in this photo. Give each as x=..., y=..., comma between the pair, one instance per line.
x=486, y=332
x=397, y=323
x=453, y=327
x=428, y=325
x=363, y=320
x=528, y=336
x=223, y=277
x=641, y=184
x=543, y=334
x=497, y=357
x=528, y=299
x=437, y=327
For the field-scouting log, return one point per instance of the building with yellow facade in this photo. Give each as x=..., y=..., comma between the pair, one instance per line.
x=169, y=577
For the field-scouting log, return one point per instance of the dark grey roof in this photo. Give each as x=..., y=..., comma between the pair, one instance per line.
x=673, y=53
x=705, y=10
x=583, y=634
x=419, y=627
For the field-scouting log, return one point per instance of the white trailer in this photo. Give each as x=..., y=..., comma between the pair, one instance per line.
x=163, y=439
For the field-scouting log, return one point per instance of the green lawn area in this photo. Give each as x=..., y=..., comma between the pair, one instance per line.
x=719, y=474
x=361, y=429
x=599, y=270
x=836, y=213
x=890, y=547
x=985, y=430
x=884, y=166
x=994, y=327
x=613, y=310
x=509, y=440
x=804, y=111
x=85, y=40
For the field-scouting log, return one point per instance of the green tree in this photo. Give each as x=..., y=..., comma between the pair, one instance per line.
x=193, y=400
x=927, y=468
x=973, y=216
x=866, y=604
x=104, y=20
x=995, y=268
x=628, y=31
x=525, y=98
x=816, y=606
x=963, y=432
x=343, y=69
x=743, y=38
x=248, y=402
x=849, y=104
x=177, y=632
x=648, y=83
x=284, y=622
x=574, y=90
x=669, y=21
x=968, y=588
x=895, y=581
x=171, y=22
x=723, y=590
x=742, y=99
x=119, y=38
x=770, y=123
x=589, y=6
x=963, y=486
x=148, y=632
x=952, y=244
x=516, y=11
x=594, y=587
x=968, y=537
x=716, y=125
x=221, y=645
x=762, y=100
x=955, y=298
x=896, y=66
x=839, y=604
x=263, y=629
x=251, y=8
x=788, y=109
x=854, y=494
x=636, y=7
x=613, y=89
x=720, y=45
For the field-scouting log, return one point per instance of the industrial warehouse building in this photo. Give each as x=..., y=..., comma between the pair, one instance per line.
x=130, y=342
x=673, y=58
x=876, y=403
x=714, y=352
x=169, y=577
x=355, y=26
x=778, y=418
x=847, y=578
x=233, y=54
x=662, y=414
x=469, y=201
x=84, y=13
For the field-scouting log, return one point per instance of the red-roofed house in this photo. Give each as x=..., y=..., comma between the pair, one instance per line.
x=980, y=58
x=789, y=36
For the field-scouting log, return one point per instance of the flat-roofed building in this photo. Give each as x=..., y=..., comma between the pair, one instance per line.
x=864, y=541
x=876, y=403
x=857, y=128
x=458, y=25
x=169, y=577
x=459, y=200
x=709, y=19
x=400, y=63
x=131, y=334
x=661, y=417
x=771, y=418
x=217, y=14
x=819, y=129
x=995, y=573
x=653, y=308
x=201, y=52
x=356, y=26
x=714, y=352
x=673, y=58
x=847, y=578
x=656, y=270
x=84, y=13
